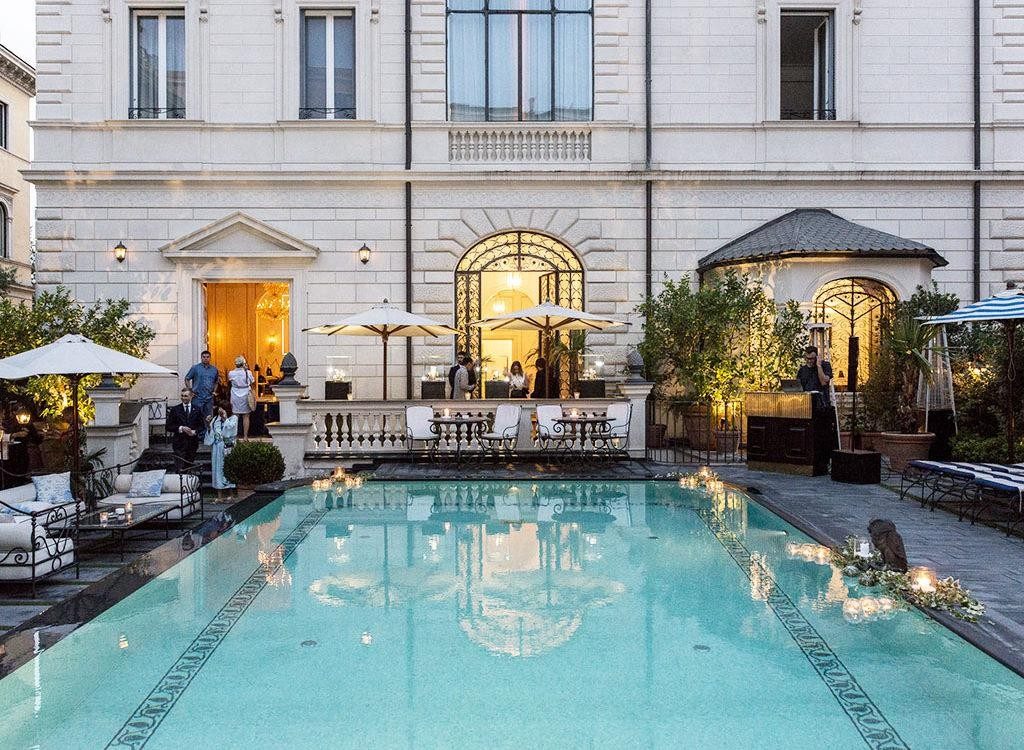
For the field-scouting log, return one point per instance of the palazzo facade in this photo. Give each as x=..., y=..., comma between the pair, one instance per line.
x=491, y=154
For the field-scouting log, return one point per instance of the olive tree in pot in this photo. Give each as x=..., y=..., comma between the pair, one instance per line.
x=905, y=341
x=706, y=346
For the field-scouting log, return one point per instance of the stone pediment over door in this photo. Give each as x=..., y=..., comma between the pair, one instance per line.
x=238, y=237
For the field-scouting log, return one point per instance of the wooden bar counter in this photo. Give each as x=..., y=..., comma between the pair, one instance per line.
x=785, y=434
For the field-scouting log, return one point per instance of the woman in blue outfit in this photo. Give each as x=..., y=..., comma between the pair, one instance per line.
x=220, y=436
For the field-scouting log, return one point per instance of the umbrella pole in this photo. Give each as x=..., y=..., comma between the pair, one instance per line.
x=1011, y=426
x=75, y=461
x=384, y=338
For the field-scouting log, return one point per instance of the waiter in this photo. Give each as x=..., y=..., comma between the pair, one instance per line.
x=815, y=376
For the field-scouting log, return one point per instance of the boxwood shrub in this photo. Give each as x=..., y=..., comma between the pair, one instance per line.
x=252, y=463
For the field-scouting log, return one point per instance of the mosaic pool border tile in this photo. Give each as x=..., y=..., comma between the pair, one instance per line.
x=867, y=718
x=146, y=718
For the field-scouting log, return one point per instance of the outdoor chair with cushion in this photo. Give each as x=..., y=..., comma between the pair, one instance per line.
x=38, y=529
x=552, y=434
x=419, y=429
x=142, y=488
x=504, y=433
x=973, y=487
x=617, y=438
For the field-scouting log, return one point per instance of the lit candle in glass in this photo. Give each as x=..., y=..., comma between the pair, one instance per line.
x=923, y=580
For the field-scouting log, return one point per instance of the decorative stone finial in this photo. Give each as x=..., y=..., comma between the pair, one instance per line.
x=289, y=365
x=635, y=366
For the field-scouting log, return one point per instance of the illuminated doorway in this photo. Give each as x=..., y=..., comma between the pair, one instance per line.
x=248, y=318
x=854, y=307
x=505, y=273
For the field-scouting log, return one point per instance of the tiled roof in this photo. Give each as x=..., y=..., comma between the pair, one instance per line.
x=815, y=232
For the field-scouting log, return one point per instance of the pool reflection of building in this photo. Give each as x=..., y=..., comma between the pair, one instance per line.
x=520, y=565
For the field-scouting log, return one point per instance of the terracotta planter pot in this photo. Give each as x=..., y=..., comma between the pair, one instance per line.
x=867, y=440
x=727, y=441
x=656, y=435
x=696, y=422
x=902, y=449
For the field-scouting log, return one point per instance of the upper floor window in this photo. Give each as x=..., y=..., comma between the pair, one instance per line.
x=520, y=60
x=158, y=65
x=807, y=63
x=3, y=125
x=328, y=69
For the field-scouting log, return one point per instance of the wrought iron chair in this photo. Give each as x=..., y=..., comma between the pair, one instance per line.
x=419, y=429
x=552, y=434
x=504, y=433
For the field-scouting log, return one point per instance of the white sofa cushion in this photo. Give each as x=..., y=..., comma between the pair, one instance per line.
x=25, y=493
x=172, y=483
x=17, y=535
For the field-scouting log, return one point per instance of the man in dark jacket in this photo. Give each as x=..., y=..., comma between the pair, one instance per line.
x=186, y=424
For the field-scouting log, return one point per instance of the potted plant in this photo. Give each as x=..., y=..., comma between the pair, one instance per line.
x=905, y=342
x=252, y=463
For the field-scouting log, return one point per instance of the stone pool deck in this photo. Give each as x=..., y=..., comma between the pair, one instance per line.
x=985, y=560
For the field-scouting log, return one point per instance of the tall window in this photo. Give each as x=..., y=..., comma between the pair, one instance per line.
x=328, y=67
x=520, y=60
x=158, y=65
x=807, y=65
x=3, y=125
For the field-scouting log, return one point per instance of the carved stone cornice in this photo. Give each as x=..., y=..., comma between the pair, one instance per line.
x=17, y=71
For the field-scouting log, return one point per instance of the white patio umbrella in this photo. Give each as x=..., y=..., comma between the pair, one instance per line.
x=385, y=320
x=548, y=318
x=75, y=356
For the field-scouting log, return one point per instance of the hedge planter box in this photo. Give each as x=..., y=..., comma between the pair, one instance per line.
x=903, y=448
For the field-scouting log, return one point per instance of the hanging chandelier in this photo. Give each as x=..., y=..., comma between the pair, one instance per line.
x=275, y=302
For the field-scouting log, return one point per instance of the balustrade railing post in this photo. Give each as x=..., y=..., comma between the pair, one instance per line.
x=291, y=433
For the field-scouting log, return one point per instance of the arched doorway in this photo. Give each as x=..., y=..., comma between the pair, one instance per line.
x=508, y=272
x=854, y=307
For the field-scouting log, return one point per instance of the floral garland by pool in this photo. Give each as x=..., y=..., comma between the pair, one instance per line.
x=917, y=586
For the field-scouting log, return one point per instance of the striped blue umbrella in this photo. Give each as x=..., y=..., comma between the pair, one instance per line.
x=1006, y=308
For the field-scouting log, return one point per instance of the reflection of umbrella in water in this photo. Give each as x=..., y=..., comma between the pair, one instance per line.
x=366, y=589
x=530, y=613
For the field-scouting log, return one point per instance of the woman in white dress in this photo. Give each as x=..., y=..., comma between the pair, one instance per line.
x=241, y=380
x=220, y=436
x=518, y=383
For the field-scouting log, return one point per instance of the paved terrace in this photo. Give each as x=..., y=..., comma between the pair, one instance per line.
x=985, y=560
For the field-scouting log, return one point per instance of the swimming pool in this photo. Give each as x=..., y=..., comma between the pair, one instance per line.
x=507, y=616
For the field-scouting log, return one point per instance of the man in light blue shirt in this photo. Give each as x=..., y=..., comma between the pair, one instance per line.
x=203, y=378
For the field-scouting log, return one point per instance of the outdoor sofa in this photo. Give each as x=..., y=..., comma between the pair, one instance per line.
x=182, y=490
x=37, y=538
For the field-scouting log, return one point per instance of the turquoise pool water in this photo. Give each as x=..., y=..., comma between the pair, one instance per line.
x=508, y=616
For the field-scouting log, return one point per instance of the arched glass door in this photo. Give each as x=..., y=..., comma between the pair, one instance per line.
x=509, y=272
x=854, y=307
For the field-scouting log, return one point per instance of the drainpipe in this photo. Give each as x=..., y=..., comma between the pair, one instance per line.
x=648, y=141
x=976, y=187
x=408, y=192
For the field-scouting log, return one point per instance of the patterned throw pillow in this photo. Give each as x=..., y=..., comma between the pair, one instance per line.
x=147, y=483
x=53, y=488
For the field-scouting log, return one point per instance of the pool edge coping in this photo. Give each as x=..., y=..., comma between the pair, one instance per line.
x=982, y=641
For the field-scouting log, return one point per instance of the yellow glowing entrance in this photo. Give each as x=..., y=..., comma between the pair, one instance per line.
x=854, y=307
x=252, y=319
x=508, y=272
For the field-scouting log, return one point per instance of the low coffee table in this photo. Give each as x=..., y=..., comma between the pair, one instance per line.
x=119, y=526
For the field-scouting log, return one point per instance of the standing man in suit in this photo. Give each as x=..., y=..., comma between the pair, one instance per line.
x=185, y=423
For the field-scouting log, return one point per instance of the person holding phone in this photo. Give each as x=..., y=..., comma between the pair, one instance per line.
x=814, y=376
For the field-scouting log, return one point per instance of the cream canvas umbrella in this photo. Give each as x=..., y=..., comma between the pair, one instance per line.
x=548, y=318
x=385, y=320
x=75, y=356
